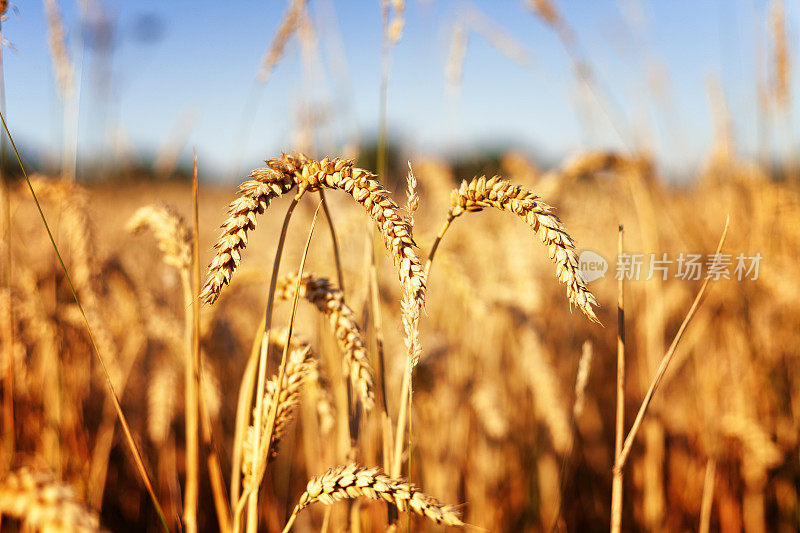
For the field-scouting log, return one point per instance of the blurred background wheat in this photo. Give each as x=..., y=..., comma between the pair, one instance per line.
x=663, y=118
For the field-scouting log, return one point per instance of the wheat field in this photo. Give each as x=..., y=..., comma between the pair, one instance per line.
x=334, y=347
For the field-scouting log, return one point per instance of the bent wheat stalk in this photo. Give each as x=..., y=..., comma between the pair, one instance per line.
x=354, y=481
x=330, y=302
x=480, y=193
x=665, y=361
x=279, y=177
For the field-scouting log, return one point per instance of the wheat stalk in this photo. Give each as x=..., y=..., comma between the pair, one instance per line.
x=480, y=193
x=582, y=379
x=40, y=502
x=354, y=481
x=278, y=178
x=330, y=301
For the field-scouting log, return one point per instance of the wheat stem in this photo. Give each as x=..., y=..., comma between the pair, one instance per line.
x=708, y=496
x=243, y=412
x=259, y=467
x=192, y=488
x=665, y=361
x=252, y=499
x=616, y=487
x=334, y=241
x=221, y=503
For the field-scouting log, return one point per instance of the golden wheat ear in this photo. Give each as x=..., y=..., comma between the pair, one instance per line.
x=298, y=366
x=173, y=237
x=354, y=481
x=480, y=193
x=329, y=300
x=279, y=177
x=42, y=503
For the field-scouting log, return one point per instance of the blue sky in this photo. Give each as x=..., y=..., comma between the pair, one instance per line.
x=198, y=72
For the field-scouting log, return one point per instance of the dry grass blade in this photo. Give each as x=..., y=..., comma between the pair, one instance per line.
x=708, y=496
x=279, y=177
x=480, y=193
x=330, y=301
x=41, y=503
x=353, y=481
x=662, y=368
x=117, y=407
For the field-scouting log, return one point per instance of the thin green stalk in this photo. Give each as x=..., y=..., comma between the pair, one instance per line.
x=137, y=457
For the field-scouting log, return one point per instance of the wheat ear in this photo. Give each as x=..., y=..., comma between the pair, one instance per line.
x=330, y=302
x=354, y=481
x=42, y=503
x=298, y=366
x=172, y=235
x=279, y=177
x=480, y=193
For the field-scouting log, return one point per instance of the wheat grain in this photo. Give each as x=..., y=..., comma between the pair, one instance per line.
x=353, y=481
x=279, y=177
x=42, y=503
x=479, y=193
x=548, y=404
